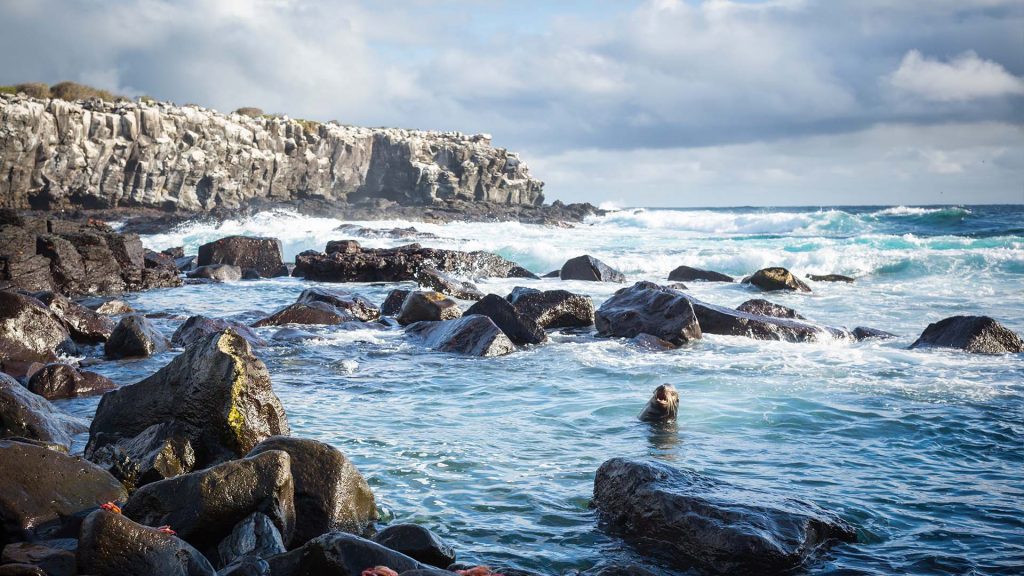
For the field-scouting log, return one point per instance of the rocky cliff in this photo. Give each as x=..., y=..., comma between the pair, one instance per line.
x=91, y=154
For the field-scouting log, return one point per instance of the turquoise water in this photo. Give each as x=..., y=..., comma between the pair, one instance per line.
x=922, y=450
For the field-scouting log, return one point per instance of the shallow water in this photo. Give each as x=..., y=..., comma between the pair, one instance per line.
x=922, y=450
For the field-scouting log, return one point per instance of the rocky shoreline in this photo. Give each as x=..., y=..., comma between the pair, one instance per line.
x=192, y=470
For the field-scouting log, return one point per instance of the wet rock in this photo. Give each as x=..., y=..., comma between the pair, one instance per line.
x=646, y=308
x=330, y=493
x=31, y=416
x=692, y=520
x=341, y=554
x=401, y=264
x=688, y=274
x=978, y=334
x=21, y=570
x=29, y=332
x=185, y=263
x=250, y=274
x=113, y=545
x=217, y=273
x=652, y=343
x=471, y=335
x=619, y=570
x=158, y=452
x=135, y=336
x=114, y=308
x=417, y=543
x=343, y=246
x=427, y=306
x=591, y=269
x=199, y=327
x=359, y=307
x=83, y=324
x=772, y=279
x=663, y=405
x=553, y=308
x=728, y=322
x=264, y=255
x=60, y=380
x=553, y=274
x=519, y=328
x=154, y=259
x=865, y=333
x=216, y=388
x=246, y=566
x=203, y=507
x=21, y=268
x=393, y=302
x=830, y=278
x=761, y=307
x=55, y=557
x=255, y=535
x=307, y=313
x=43, y=489
x=431, y=278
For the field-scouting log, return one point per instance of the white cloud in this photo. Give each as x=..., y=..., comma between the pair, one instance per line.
x=965, y=77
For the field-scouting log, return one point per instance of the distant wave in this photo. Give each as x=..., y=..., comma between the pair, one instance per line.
x=952, y=211
x=736, y=223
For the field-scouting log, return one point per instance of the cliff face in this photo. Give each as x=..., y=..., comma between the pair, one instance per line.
x=56, y=154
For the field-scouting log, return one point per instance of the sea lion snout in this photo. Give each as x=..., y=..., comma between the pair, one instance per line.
x=663, y=405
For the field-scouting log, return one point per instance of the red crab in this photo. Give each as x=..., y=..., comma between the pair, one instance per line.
x=111, y=507
x=166, y=530
x=478, y=571
x=379, y=571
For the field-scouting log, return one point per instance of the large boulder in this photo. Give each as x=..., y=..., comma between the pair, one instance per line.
x=777, y=278
x=330, y=493
x=217, y=273
x=44, y=489
x=590, y=269
x=763, y=307
x=264, y=255
x=471, y=335
x=256, y=535
x=519, y=328
x=203, y=507
x=688, y=274
x=113, y=545
x=27, y=415
x=646, y=308
x=216, y=388
x=357, y=264
x=978, y=334
x=59, y=380
x=135, y=336
x=692, y=520
x=84, y=325
x=307, y=313
x=435, y=280
x=199, y=327
x=422, y=306
x=161, y=451
x=728, y=322
x=553, y=308
x=340, y=554
x=393, y=302
x=417, y=543
x=359, y=307
x=29, y=332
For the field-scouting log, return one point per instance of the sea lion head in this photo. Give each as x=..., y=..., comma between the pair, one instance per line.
x=663, y=405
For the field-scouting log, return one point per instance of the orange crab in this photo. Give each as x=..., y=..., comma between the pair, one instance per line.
x=478, y=571
x=379, y=571
x=111, y=507
x=166, y=530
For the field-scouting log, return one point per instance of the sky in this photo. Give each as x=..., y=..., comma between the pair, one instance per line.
x=631, y=103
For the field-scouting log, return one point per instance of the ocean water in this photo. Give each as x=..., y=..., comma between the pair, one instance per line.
x=922, y=450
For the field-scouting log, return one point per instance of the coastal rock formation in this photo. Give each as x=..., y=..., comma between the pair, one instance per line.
x=553, y=308
x=519, y=328
x=435, y=280
x=199, y=327
x=763, y=307
x=771, y=279
x=646, y=308
x=978, y=334
x=161, y=451
x=113, y=545
x=694, y=520
x=471, y=335
x=29, y=332
x=728, y=322
x=357, y=264
x=60, y=380
x=359, y=307
x=688, y=274
x=92, y=154
x=85, y=325
x=264, y=255
x=307, y=313
x=590, y=269
x=27, y=415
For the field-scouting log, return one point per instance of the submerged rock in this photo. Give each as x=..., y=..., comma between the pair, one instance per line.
x=553, y=308
x=761, y=307
x=471, y=335
x=60, y=380
x=199, y=327
x=417, y=543
x=865, y=333
x=519, y=328
x=217, y=272
x=978, y=334
x=135, y=336
x=359, y=307
x=264, y=255
x=830, y=278
x=688, y=274
x=342, y=554
x=646, y=308
x=112, y=545
x=44, y=489
x=728, y=322
x=330, y=493
x=422, y=306
x=28, y=415
x=692, y=520
x=590, y=269
x=435, y=280
x=771, y=279
x=216, y=388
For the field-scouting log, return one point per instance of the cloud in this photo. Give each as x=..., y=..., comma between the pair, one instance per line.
x=965, y=77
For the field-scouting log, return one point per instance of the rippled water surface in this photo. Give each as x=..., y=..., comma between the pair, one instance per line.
x=923, y=450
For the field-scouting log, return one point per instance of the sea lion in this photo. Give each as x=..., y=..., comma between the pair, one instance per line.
x=662, y=406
